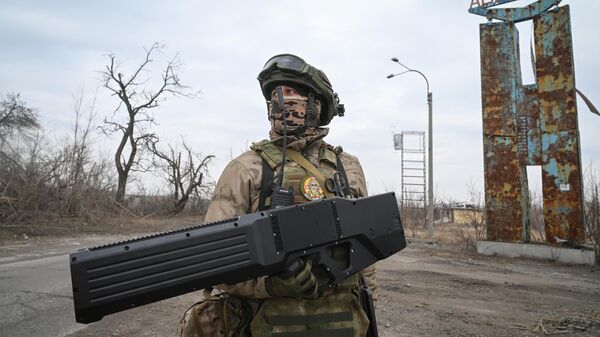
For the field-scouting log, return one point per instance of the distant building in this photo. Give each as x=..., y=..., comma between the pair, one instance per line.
x=458, y=213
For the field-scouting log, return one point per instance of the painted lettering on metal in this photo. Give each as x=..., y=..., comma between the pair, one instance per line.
x=488, y=3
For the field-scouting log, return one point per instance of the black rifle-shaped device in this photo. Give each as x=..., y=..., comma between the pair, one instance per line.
x=119, y=276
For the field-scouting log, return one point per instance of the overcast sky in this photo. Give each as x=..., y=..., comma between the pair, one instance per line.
x=52, y=49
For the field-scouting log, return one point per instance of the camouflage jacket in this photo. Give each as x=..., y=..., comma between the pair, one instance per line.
x=238, y=189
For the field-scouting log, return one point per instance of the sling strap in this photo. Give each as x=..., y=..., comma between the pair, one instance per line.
x=340, y=168
x=300, y=160
x=265, y=185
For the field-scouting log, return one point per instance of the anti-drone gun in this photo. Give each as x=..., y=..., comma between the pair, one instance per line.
x=123, y=275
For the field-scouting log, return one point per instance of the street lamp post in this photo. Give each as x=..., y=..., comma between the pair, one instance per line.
x=429, y=147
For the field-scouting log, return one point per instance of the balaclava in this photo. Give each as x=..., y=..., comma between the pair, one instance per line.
x=296, y=107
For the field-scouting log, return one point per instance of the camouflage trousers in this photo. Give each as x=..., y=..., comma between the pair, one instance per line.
x=337, y=314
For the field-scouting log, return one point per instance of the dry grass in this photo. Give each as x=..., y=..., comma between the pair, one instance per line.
x=444, y=233
x=120, y=224
x=414, y=216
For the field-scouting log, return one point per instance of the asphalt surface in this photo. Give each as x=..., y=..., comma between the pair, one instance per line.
x=35, y=287
x=35, y=296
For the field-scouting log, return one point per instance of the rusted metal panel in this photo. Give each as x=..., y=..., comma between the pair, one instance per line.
x=530, y=125
x=562, y=188
x=502, y=190
x=502, y=95
x=561, y=176
x=499, y=80
x=555, y=71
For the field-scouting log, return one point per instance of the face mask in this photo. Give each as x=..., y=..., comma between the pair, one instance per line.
x=296, y=109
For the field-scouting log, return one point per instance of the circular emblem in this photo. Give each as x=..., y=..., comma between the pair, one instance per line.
x=311, y=189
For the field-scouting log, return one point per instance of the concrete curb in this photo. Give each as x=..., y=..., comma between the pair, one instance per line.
x=539, y=251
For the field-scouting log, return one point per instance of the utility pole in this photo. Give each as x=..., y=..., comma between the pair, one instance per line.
x=429, y=146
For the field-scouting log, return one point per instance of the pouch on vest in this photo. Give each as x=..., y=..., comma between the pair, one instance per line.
x=219, y=316
x=204, y=319
x=337, y=315
x=237, y=315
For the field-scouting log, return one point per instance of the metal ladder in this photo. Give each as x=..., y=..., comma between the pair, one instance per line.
x=411, y=145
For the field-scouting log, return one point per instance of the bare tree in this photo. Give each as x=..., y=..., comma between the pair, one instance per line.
x=470, y=226
x=16, y=117
x=185, y=171
x=592, y=210
x=81, y=176
x=536, y=217
x=16, y=120
x=137, y=100
x=42, y=178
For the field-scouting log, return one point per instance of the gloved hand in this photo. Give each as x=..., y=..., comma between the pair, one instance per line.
x=302, y=283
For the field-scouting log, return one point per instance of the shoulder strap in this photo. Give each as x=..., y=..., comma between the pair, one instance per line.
x=271, y=157
x=266, y=181
x=342, y=171
x=328, y=156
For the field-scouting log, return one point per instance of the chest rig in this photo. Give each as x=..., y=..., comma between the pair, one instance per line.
x=338, y=311
x=303, y=181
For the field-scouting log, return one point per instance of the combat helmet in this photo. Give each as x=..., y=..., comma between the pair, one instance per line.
x=287, y=68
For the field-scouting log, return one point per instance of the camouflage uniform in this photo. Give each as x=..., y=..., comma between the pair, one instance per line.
x=247, y=309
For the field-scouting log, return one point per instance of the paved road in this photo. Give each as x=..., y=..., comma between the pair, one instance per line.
x=35, y=297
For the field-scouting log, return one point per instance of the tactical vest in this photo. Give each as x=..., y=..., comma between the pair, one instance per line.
x=296, y=176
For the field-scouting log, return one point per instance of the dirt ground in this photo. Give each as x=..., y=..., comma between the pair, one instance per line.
x=435, y=289
x=439, y=290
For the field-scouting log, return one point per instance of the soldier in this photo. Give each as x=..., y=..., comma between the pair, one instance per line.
x=300, y=103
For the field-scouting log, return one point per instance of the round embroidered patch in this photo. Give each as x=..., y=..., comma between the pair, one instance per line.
x=311, y=189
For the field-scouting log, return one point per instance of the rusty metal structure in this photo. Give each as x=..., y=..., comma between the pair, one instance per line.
x=532, y=124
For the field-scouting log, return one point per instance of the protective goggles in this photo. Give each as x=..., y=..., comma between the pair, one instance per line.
x=287, y=63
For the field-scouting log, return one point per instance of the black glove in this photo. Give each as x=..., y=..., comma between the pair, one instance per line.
x=300, y=283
